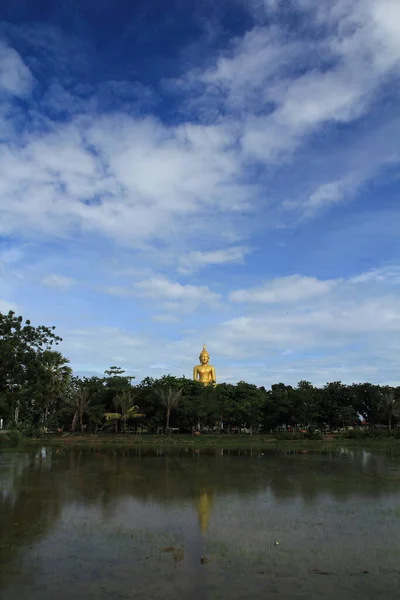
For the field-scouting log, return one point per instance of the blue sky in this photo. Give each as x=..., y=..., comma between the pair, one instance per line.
x=173, y=173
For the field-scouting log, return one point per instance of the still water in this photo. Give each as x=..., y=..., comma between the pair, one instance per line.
x=117, y=524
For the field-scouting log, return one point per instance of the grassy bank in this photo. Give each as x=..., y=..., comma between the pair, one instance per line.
x=203, y=441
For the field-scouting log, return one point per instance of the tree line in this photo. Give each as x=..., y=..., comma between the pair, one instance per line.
x=38, y=390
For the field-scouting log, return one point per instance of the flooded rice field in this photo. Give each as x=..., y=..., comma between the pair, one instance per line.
x=157, y=524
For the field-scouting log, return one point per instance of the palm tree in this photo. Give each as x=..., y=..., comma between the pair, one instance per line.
x=169, y=399
x=57, y=375
x=390, y=407
x=126, y=407
x=82, y=403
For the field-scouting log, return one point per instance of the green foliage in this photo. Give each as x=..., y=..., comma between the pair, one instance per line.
x=81, y=402
x=314, y=435
x=30, y=370
x=124, y=403
x=371, y=433
x=299, y=435
x=14, y=437
x=290, y=435
x=169, y=398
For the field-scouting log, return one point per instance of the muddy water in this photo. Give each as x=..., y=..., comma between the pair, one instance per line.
x=103, y=523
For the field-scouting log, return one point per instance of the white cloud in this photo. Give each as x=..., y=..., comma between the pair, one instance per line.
x=286, y=290
x=96, y=174
x=259, y=73
x=162, y=289
x=58, y=282
x=389, y=275
x=321, y=315
x=92, y=349
x=113, y=190
x=172, y=295
x=330, y=193
x=190, y=262
x=15, y=76
x=328, y=324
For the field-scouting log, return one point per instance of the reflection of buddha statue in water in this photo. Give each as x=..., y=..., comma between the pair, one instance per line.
x=204, y=508
x=204, y=372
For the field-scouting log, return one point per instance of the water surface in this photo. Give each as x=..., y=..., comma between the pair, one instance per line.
x=103, y=523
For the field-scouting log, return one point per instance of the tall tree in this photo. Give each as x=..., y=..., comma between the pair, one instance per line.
x=337, y=405
x=81, y=403
x=170, y=399
x=367, y=401
x=53, y=382
x=22, y=360
x=306, y=401
x=390, y=407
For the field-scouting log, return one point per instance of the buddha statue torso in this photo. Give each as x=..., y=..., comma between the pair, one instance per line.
x=204, y=372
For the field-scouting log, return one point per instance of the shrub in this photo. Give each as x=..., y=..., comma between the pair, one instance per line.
x=290, y=435
x=366, y=434
x=32, y=431
x=314, y=435
x=14, y=437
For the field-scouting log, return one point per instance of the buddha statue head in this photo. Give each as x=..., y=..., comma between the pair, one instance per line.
x=204, y=356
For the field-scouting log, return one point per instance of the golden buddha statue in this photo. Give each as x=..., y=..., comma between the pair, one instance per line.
x=204, y=372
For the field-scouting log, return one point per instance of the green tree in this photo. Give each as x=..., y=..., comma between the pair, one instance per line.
x=114, y=383
x=307, y=403
x=225, y=405
x=280, y=408
x=390, y=407
x=81, y=401
x=337, y=406
x=367, y=401
x=54, y=378
x=170, y=399
x=22, y=361
x=126, y=409
x=249, y=400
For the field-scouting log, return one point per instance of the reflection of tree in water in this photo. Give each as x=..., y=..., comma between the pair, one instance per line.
x=104, y=477
x=29, y=508
x=171, y=477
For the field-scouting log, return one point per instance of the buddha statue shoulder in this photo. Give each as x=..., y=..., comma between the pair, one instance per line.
x=204, y=372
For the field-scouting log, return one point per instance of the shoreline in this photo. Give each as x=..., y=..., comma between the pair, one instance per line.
x=201, y=442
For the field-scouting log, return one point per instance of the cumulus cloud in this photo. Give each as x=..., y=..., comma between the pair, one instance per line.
x=171, y=294
x=141, y=180
x=280, y=104
x=136, y=179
